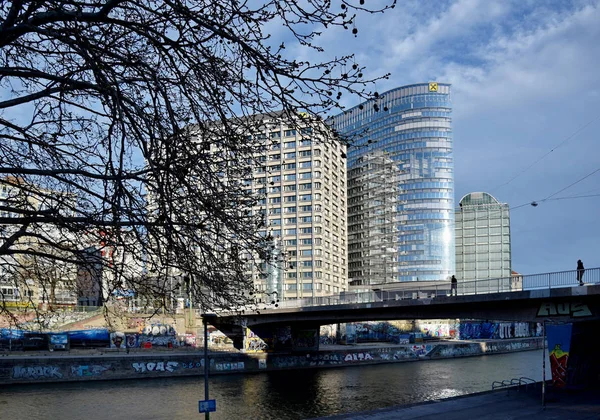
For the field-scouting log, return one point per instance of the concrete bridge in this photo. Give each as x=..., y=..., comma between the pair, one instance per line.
x=535, y=298
x=549, y=298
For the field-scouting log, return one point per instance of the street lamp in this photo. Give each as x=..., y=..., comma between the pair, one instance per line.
x=205, y=318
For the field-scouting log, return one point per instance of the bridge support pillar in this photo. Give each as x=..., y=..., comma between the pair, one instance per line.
x=574, y=358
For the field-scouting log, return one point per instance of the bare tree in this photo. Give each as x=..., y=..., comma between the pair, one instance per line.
x=125, y=126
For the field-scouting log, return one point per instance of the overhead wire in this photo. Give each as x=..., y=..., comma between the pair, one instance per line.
x=583, y=127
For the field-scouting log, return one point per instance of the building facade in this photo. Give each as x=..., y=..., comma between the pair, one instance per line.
x=372, y=200
x=302, y=190
x=412, y=125
x=482, y=238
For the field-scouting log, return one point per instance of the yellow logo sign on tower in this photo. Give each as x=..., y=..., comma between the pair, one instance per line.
x=433, y=87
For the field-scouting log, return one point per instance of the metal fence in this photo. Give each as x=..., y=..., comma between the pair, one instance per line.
x=507, y=284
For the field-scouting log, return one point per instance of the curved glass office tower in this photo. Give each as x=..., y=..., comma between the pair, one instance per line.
x=410, y=125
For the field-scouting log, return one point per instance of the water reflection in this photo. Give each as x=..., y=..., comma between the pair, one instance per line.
x=275, y=395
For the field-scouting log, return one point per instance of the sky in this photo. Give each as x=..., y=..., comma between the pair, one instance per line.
x=525, y=78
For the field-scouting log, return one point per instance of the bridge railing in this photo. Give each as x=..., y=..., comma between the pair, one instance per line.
x=475, y=287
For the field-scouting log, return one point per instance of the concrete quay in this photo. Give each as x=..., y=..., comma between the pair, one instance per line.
x=511, y=403
x=108, y=364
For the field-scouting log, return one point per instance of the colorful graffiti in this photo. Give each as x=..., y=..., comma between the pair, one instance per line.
x=88, y=370
x=559, y=343
x=397, y=331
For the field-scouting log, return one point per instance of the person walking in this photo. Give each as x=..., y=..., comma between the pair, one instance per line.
x=453, y=286
x=580, y=271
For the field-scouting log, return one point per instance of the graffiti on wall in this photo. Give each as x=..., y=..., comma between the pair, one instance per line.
x=396, y=331
x=88, y=370
x=230, y=366
x=36, y=372
x=143, y=367
x=559, y=341
x=328, y=334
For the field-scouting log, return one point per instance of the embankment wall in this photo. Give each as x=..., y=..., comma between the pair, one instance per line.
x=70, y=367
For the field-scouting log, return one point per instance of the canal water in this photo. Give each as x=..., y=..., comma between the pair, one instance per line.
x=297, y=394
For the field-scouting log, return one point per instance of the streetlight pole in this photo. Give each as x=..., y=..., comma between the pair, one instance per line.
x=206, y=364
x=544, y=367
x=205, y=318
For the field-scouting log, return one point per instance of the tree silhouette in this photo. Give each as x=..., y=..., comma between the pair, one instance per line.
x=125, y=128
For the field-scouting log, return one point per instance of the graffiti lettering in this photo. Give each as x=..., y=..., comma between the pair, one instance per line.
x=88, y=370
x=354, y=357
x=576, y=310
x=155, y=367
x=231, y=366
x=36, y=372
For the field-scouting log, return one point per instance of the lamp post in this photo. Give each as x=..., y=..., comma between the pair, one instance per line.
x=544, y=367
x=205, y=318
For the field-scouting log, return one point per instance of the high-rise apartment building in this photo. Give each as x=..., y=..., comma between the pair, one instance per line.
x=302, y=186
x=372, y=200
x=412, y=126
x=482, y=238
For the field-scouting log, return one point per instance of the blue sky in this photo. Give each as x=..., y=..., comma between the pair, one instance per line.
x=525, y=76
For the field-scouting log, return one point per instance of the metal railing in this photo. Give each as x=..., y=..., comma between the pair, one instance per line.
x=515, y=382
x=486, y=286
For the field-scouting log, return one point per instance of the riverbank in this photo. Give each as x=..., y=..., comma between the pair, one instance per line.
x=513, y=403
x=107, y=364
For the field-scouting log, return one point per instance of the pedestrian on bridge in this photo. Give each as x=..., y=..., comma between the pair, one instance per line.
x=453, y=286
x=580, y=271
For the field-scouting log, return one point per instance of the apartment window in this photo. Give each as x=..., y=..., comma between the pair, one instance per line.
x=290, y=231
x=305, y=208
x=307, y=275
x=291, y=275
x=288, y=188
x=306, y=164
x=274, y=189
x=291, y=155
x=289, y=199
x=307, y=186
x=275, y=157
x=306, y=219
x=290, y=221
x=306, y=230
x=274, y=179
x=290, y=209
x=306, y=252
x=275, y=200
x=275, y=134
x=290, y=145
x=290, y=177
x=306, y=153
x=305, y=197
x=275, y=222
x=306, y=241
x=291, y=242
x=305, y=175
x=307, y=286
x=275, y=210
x=307, y=264
x=290, y=133
x=305, y=142
x=289, y=166
x=275, y=168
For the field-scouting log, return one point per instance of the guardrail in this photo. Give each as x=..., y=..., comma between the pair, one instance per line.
x=486, y=286
x=515, y=382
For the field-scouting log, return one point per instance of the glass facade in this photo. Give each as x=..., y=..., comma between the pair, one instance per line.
x=412, y=126
x=482, y=238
